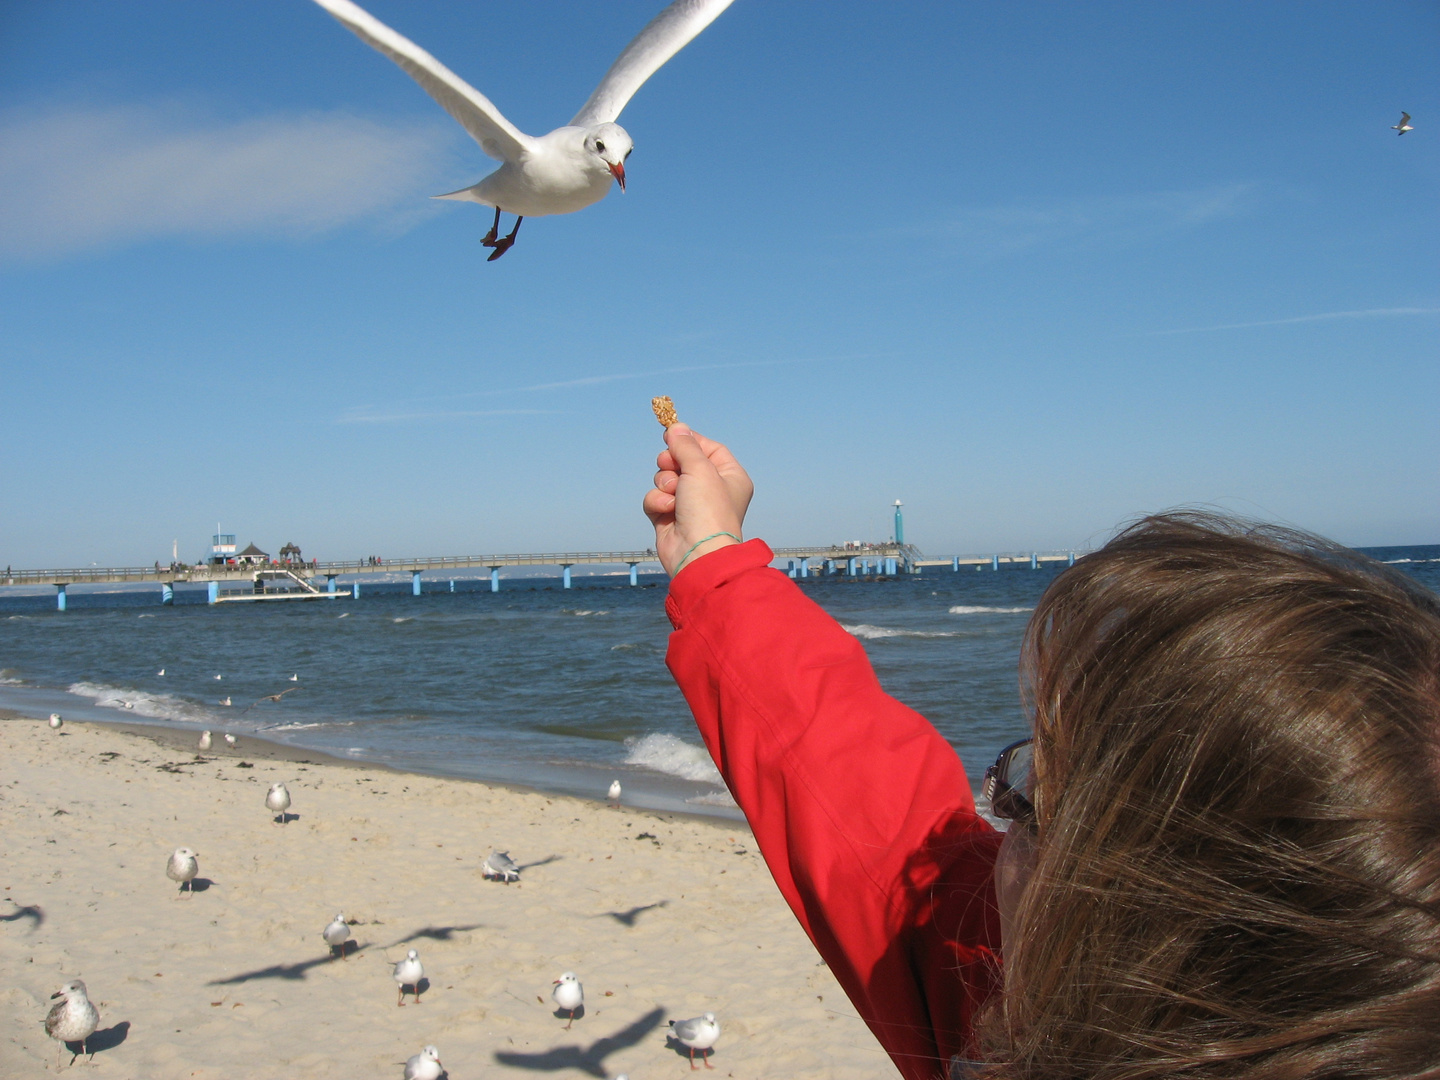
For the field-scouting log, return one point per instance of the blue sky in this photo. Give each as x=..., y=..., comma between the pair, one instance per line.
x=1032, y=268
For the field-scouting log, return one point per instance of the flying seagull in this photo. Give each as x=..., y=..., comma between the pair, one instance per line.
x=1403, y=126
x=571, y=167
x=268, y=697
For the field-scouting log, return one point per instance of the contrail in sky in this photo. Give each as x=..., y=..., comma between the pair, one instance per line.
x=1372, y=313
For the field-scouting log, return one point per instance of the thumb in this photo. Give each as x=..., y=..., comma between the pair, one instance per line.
x=686, y=450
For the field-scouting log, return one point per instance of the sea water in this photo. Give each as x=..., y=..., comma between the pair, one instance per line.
x=561, y=690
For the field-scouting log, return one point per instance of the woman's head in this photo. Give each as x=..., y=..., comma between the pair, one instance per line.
x=1237, y=792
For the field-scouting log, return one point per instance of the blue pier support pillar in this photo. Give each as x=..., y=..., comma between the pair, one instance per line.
x=452, y=585
x=214, y=593
x=634, y=574
x=994, y=562
x=890, y=566
x=790, y=571
x=565, y=573
x=414, y=582
x=494, y=579
x=829, y=567
x=330, y=583
x=59, y=597
x=355, y=590
x=1072, y=559
x=804, y=568
x=955, y=564
x=1034, y=560
x=167, y=593
x=851, y=568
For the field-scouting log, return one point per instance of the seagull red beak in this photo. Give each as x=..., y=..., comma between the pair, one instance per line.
x=617, y=170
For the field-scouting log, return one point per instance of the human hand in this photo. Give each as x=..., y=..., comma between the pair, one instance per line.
x=700, y=490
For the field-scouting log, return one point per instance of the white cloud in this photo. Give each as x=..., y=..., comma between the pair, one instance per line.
x=1369, y=313
x=995, y=231
x=80, y=177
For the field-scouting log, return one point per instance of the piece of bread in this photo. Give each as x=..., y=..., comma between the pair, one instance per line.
x=664, y=410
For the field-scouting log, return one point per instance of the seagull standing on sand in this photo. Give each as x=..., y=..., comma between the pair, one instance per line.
x=74, y=1019
x=568, y=994
x=229, y=739
x=571, y=167
x=184, y=864
x=206, y=741
x=408, y=972
x=278, y=800
x=499, y=866
x=614, y=793
x=55, y=720
x=425, y=1065
x=336, y=935
x=699, y=1033
x=1403, y=126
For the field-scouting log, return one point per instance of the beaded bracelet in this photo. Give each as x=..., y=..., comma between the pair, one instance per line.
x=697, y=543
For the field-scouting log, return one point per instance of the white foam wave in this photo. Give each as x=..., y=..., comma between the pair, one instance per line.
x=404, y=618
x=875, y=633
x=713, y=798
x=155, y=706
x=672, y=756
x=144, y=616
x=13, y=618
x=981, y=609
x=573, y=611
x=297, y=726
x=6, y=679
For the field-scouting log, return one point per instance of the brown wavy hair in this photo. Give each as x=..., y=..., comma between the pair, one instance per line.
x=1237, y=788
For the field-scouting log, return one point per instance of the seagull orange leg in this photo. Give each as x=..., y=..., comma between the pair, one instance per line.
x=503, y=245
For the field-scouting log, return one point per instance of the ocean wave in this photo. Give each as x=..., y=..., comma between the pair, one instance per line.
x=7, y=678
x=582, y=611
x=297, y=726
x=672, y=756
x=713, y=798
x=980, y=609
x=875, y=633
x=404, y=618
x=626, y=646
x=13, y=618
x=155, y=706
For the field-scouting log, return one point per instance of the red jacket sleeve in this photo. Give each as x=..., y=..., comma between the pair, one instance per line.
x=861, y=809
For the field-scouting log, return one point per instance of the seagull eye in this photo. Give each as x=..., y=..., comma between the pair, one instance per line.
x=628, y=153
x=599, y=146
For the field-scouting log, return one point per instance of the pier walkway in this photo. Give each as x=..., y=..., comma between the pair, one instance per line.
x=238, y=581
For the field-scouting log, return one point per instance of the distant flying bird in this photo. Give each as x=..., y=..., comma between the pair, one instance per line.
x=1403, y=126
x=183, y=865
x=571, y=167
x=408, y=972
x=277, y=799
x=205, y=741
x=568, y=995
x=267, y=697
x=74, y=1019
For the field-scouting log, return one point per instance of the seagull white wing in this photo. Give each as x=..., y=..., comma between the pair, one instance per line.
x=662, y=38
x=497, y=136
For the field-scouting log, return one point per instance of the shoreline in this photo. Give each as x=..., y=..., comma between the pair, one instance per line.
x=661, y=916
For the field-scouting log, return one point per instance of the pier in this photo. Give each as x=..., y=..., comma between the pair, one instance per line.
x=228, y=582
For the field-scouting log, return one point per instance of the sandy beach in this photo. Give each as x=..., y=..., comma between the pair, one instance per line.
x=661, y=916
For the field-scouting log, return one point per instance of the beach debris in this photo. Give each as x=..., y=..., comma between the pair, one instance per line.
x=55, y=720
x=206, y=741
x=184, y=864
x=569, y=995
x=425, y=1065
x=699, y=1033
x=664, y=410
x=409, y=972
x=74, y=1019
x=498, y=866
x=278, y=800
x=229, y=739
x=571, y=167
x=337, y=935
x=1404, y=124
x=614, y=793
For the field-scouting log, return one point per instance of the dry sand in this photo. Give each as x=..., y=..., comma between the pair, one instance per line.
x=661, y=916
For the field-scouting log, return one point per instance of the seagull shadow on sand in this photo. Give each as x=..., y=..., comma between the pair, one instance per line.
x=33, y=912
x=200, y=884
x=291, y=972
x=589, y=1059
x=539, y=862
x=434, y=933
x=627, y=918
x=100, y=1041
